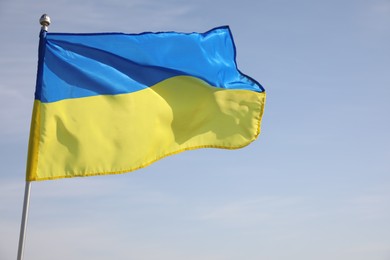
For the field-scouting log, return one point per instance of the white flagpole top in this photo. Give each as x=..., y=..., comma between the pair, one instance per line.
x=45, y=22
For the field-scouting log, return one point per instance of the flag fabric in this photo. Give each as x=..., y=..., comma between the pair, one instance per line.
x=110, y=103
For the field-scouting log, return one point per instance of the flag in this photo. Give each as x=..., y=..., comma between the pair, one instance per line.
x=109, y=103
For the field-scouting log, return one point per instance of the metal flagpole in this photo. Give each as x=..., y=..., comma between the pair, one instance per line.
x=45, y=22
x=23, y=226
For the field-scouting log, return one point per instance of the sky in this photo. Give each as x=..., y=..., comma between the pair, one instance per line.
x=315, y=185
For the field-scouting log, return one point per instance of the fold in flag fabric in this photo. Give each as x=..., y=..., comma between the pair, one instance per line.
x=110, y=103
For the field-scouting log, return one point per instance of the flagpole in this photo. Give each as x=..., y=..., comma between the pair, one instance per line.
x=23, y=226
x=45, y=22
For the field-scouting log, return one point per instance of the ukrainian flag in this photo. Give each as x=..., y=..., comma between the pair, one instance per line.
x=111, y=103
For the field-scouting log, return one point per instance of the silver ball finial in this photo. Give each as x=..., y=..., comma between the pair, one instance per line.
x=45, y=21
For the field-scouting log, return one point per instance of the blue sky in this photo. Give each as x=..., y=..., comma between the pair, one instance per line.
x=316, y=185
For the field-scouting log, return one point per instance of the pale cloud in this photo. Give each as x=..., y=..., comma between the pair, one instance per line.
x=375, y=18
x=381, y=7
x=369, y=207
x=86, y=242
x=378, y=250
x=250, y=212
x=10, y=191
x=14, y=114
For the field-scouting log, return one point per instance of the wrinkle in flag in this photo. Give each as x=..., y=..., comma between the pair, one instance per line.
x=112, y=103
